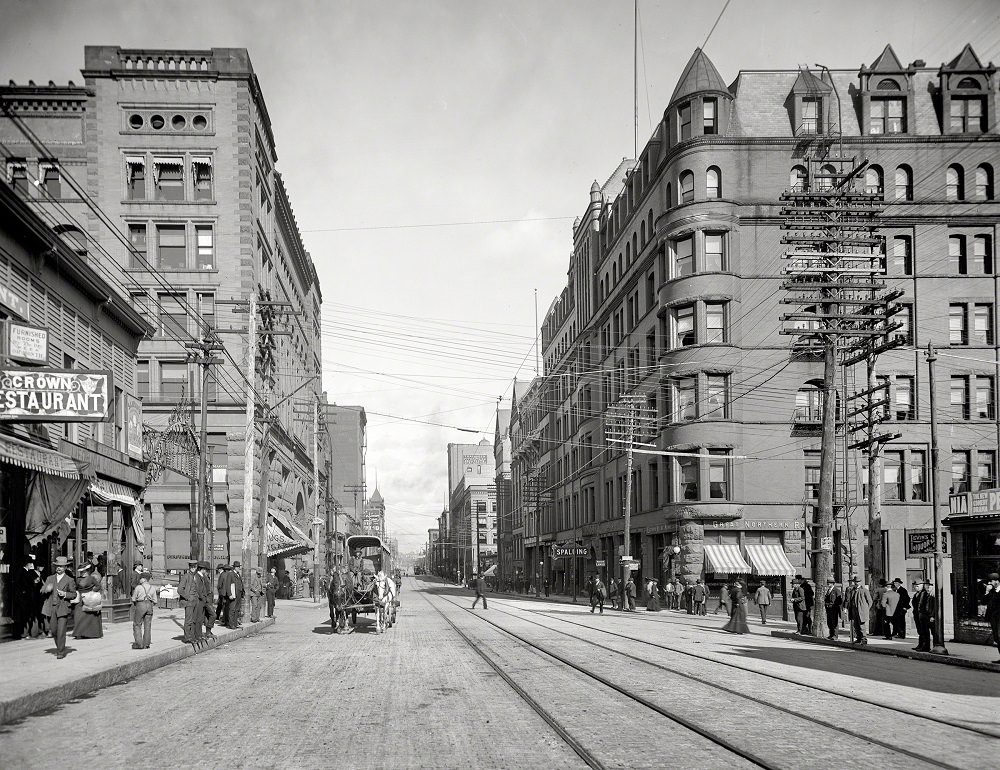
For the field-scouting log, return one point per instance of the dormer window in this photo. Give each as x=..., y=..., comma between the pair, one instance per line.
x=887, y=116
x=967, y=114
x=684, y=121
x=710, y=108
x=810, y=116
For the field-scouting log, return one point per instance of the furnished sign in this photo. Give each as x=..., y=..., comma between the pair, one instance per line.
x=920, y=542
x=560, y=551
x=29, y=344
x=54, y=395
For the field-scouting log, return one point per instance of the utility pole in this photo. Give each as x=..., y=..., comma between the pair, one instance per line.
x=834, y=262
x=939, y=646
x=316, y=520
x=248, y=441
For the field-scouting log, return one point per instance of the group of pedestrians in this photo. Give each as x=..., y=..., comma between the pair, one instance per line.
x=203, y=607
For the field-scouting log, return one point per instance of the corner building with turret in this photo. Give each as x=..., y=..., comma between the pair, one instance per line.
x=674, y=291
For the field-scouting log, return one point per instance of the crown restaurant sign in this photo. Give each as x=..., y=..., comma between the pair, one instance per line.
x=54, y=395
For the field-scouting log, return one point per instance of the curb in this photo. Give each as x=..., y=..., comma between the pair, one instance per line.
x=56, y=695
x=947, y=660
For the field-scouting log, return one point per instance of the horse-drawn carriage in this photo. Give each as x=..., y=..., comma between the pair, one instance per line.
x=363, y=585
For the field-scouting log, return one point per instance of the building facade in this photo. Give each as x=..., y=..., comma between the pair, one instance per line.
x=471, y=543
x=347, y=440
x=674, y=294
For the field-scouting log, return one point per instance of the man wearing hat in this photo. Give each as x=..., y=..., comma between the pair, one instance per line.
x=240, y=593
x=59, y=589
x=993, y=606
x=833, y=601
x=859, y=607
x=206, y=612
x=256, y=594
x=925, y=608
x=189, y=590
x=227, y=595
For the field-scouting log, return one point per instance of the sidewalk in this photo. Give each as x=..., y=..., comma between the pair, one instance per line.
x=977, y=656
x=32, y=679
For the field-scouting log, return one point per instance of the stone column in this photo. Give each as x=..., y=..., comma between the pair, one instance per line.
x=691, y=539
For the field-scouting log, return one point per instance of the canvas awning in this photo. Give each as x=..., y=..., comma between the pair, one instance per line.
x=725, y=559
x=491, y=571
x=24, y=455
x=769, y=560
x=284, y=538
x=104, y=491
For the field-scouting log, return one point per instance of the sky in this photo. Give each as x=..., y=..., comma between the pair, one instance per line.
x=436, y=153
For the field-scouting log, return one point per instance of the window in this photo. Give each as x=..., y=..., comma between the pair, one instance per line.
x=959, y=472
x=173, y=380
x=173, y=316
x=713, y=183
x=137, y=240
x=984, y=183
x=683, y=257
x=710, y=111
x=714, y=252
x=206, y=308
x=960, y=398
x=905, y=319
x=684, y=334
x=892, y=476
x=684, y=121
x=687, y=186
x=687, y=471
x=718, y=474
x=986, y=469
x=715, y=322
x=958, y=333
x=904, y=183
x=954, y=182
x=168, y=179
x=201, y=169
x=650, y=291
x=957, y=257
x=715, y=401
x=826, y=177
x=903, y=403
x=873, y=180
x=73, y=237
x=886, y=117
x=967, y=115
x=142, y=379
x=811, y=490
x=206, y=247
x=982, y=324
x=808, y=404
x=651, y=350
x=51, y=183
x=797, y=179
x=918, y=475
x=17, y=175
x=902, y=254
x=984, y=398
x=982, y=255
x=810, y=116
x=903, y=475
x=685, y=399
x=171, y=247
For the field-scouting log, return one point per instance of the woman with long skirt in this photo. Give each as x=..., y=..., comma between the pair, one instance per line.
x=86, y=623
x=738, y=611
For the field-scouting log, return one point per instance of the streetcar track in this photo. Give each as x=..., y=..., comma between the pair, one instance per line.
x=777, y=677
x=585, y=754
x=816, y=720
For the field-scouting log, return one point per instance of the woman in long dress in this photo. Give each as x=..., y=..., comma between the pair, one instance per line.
x=738, y=611
x=87, y=624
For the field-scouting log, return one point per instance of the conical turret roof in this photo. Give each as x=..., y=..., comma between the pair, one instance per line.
x=699, y=75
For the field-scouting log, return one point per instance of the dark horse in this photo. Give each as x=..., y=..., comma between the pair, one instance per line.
x=341, y=587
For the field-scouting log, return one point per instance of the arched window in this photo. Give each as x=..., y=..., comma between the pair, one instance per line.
x=635, y=251
x=649, y=222
x=887, y=84
x=954, y=180
x=968, y=83
x=614, y=273
x=73, y=237
x=628, y=253
x=797, y=179
x=687, y=186
x=827, y=173
x=600, y=291
x=984, y=182
x=713, y=183
x=873, y=180
x=642, y=231
x=904, y=183
x=670, y=196
x=809, y=403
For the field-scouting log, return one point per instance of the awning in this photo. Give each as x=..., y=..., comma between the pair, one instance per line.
x=284, y=538
x=135, y=160
x=36, y=458
x=491, y=571
x=726, y=559
x=201, y=160
x=104, y=491
x=769, y=560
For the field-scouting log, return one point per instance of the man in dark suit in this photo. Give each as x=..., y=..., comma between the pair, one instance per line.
x=926, y=610
x=810, y=601
x=59, y=589
x=833, y=600
x=899, y=617
x=859, y=607
x=993, y=607
x=227, y=596
x=190, y=590
x=237, y=608
x=206, y=600
x=271, y=590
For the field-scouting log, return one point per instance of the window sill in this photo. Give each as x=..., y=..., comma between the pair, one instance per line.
x=157, y=202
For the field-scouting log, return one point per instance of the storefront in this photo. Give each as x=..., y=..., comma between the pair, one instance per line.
x=974, y=525
x=285, y=542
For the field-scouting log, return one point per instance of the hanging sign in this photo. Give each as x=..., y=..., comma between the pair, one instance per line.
x=560, y=551
x=133, y=426
x=54, y=395
x=27, y=344
x=920, y=542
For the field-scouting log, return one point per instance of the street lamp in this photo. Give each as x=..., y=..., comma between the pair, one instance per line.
x=316, y=523
x=672, y=553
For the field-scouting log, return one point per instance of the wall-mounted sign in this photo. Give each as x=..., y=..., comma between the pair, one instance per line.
x=133, y=426
x=748, y=524
x=13, y=302
x=559, y=551
x=54, y=395
x=29, y=344
x=920, y=542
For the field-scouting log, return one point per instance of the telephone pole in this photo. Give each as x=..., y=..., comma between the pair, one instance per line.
x=938, y=635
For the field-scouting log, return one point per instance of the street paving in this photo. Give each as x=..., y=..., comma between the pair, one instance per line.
x=297, y=695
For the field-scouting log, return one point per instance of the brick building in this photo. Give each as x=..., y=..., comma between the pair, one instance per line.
x=347, y=444
x=674, y=292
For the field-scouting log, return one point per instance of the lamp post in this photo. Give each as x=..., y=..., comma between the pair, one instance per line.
x=317, y=523
x=673, y=552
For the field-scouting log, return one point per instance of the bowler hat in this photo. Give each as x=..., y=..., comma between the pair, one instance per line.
x=61, y=561
x=236, y=564
x=897, y=580
x=226, y=566
x=204, y=565
x=993, y=576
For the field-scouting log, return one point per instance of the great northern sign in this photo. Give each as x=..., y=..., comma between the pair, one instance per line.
x=54, y=395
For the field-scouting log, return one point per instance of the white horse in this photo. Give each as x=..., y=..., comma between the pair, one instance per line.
x=385, y=602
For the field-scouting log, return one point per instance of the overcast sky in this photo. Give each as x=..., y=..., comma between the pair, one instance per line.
x=437, y=152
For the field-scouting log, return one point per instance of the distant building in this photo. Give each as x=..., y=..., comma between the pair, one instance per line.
x=471, y=507
x=374, y=516
x=347, y=442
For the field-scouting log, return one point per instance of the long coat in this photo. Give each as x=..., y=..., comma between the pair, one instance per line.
x=859, y=602
x=57, y=606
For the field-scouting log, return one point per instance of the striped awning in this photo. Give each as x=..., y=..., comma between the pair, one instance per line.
x=725, y=560
x=769, y=560
x=104, y=491
x=36, y=458
x=284, y=538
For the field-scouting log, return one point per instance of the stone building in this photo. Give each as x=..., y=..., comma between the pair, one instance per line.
x=168, y=164
x=674, y=292
x=471, y=541
x=347, y=443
